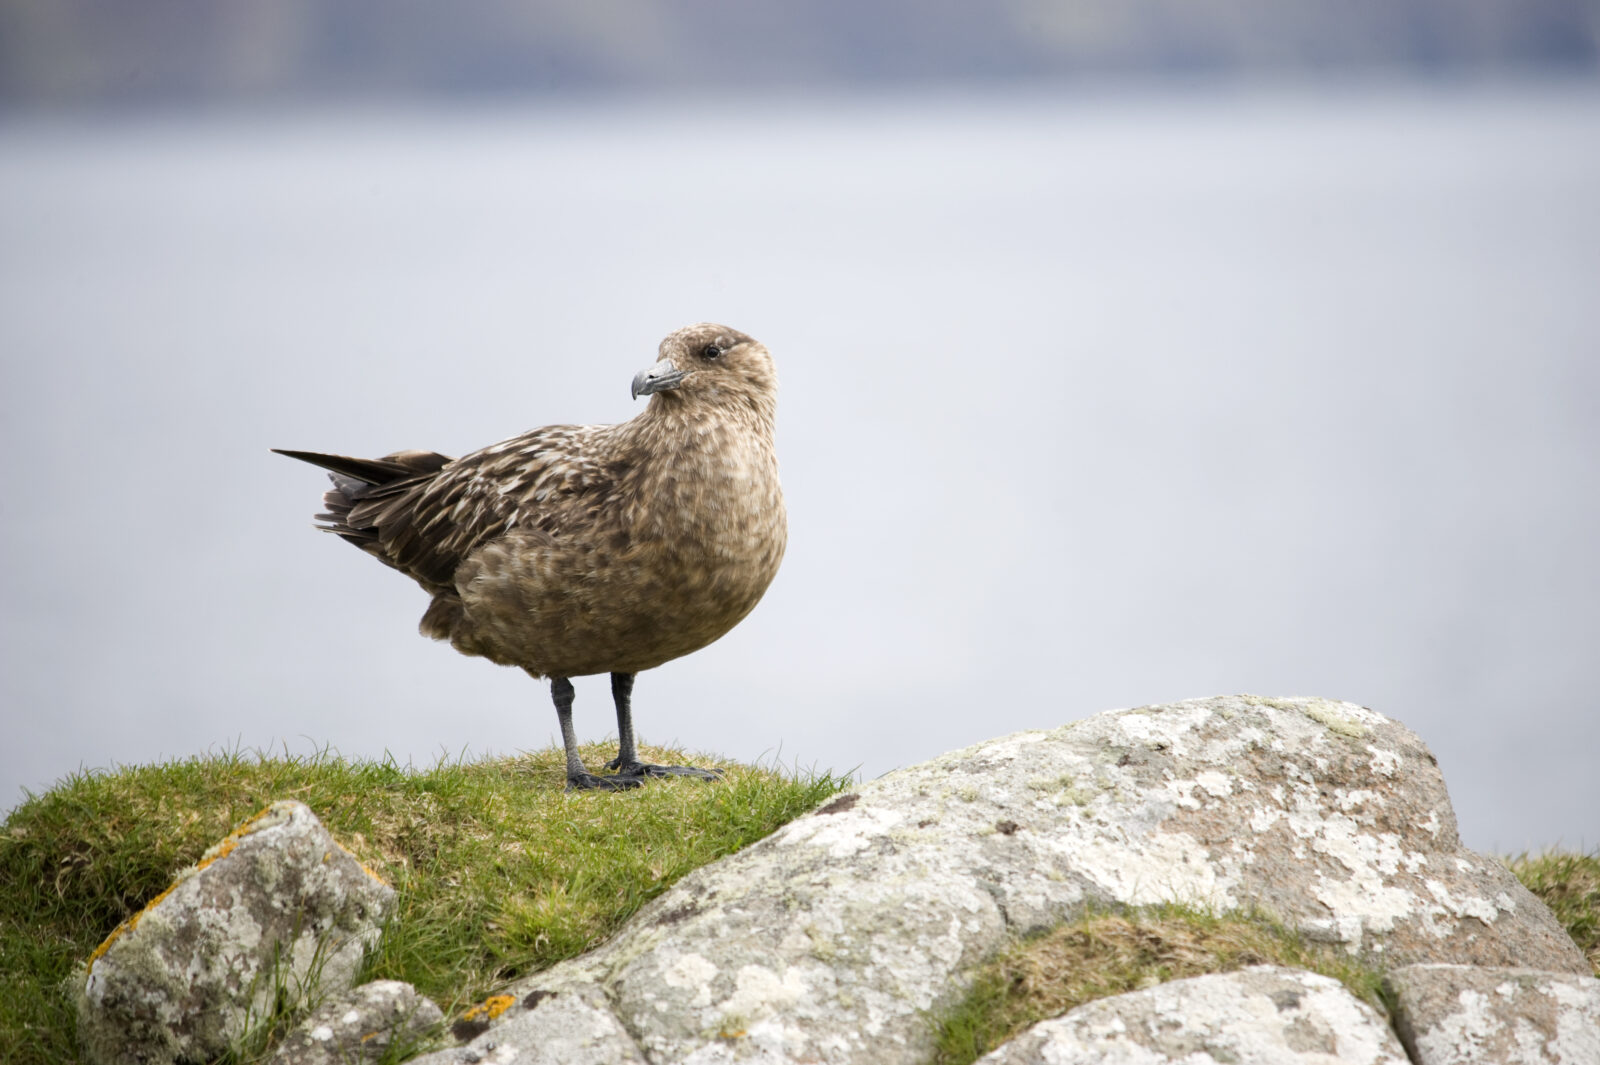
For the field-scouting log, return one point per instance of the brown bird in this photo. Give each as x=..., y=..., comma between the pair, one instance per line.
x=580, y=549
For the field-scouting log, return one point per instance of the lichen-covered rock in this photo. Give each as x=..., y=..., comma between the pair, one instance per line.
x=1459, y=1015
x=572, y=1027
x=837, y=938
x=276, y=907
x=1265, y=1015
x=360, y=1025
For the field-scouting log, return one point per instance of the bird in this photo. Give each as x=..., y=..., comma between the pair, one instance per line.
x=574, y=550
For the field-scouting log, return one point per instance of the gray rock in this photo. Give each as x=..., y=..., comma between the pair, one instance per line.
x=360, y=1025
x=1264, y=1015
x=835, y=938
x=1458, y=1015
x=571, y=1027
x=278, y=905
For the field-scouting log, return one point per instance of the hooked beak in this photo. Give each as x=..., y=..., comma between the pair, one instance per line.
x=661, y=377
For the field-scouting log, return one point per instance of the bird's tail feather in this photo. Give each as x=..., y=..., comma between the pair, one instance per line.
x=357, y=479
x=393, y=467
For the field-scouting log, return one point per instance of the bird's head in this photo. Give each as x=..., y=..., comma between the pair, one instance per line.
x=710, y=363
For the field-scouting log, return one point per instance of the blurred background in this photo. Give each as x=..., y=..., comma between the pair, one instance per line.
x=1132, y=350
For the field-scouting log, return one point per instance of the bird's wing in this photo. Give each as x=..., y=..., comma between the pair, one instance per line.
x=425, y=524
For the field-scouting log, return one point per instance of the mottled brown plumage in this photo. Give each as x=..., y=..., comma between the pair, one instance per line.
x=580, y=549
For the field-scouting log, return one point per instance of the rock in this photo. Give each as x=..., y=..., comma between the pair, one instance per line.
x=1460, y=1015
x=574, y=1027
x=359, y=1025
x=838, y=936
x=277, y=905
x=1265, y=1015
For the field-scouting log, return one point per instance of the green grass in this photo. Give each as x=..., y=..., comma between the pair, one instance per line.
x=498, y=870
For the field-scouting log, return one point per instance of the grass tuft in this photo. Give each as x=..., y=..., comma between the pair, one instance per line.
x=1569, y=883
x=499, y=871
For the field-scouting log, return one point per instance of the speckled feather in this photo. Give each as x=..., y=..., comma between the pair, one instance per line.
x=579, y=549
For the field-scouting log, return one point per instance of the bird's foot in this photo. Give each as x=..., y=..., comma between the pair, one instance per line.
x=641, y=770
x=591, y=782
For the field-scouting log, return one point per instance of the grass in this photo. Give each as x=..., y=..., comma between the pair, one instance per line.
x=1102, y=954
x=499, y=871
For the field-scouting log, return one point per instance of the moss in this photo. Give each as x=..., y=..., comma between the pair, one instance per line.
x=1336, y=723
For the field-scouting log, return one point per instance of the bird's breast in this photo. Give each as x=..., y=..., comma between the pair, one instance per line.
x=680, y=549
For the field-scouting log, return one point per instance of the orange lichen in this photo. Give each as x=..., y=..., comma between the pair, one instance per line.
x=364, y=867
x=216, y=853
x=231, y=840
x=489, y=1008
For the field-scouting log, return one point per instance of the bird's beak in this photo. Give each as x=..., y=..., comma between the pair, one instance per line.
x=658, y=378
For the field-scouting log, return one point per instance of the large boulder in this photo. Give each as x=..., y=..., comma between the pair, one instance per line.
x=836, y=938
x=278, y=908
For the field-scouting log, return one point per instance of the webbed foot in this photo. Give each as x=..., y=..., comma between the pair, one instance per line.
x=591, y=782
x=641, y=770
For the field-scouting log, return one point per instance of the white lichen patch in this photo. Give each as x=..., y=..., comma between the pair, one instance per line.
x=1475, y=906
x=842, y=834
x=1159, y=868
x=692, y=972
x=1384, y=763
x=758, y=992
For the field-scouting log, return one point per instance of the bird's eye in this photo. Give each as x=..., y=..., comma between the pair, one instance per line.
x=710, y=351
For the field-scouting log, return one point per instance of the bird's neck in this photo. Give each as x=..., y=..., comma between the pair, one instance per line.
x=672, y=425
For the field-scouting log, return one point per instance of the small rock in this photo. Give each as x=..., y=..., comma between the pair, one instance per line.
x=570, y=1027
x=360, y=1025
x=1264, y=1015
x=277, y=906
x=1464, y=1015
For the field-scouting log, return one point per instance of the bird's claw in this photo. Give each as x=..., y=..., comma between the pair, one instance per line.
x=645, y=769
x=634, y=774
x=591, y=782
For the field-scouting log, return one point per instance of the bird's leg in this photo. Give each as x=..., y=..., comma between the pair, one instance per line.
x=627, y=763
x=622, y=695
x=579, y=778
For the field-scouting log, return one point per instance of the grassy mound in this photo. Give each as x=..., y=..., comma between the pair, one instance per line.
x=499, y=871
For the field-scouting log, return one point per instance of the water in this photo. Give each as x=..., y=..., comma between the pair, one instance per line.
x=1088, y=402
